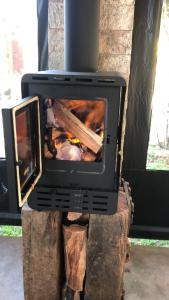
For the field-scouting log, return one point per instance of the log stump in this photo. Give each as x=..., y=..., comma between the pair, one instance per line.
x=101, y=252
x=107, y=251
x=41, y=254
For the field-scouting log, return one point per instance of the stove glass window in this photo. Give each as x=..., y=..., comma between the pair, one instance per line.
x=24, y=146
x=74, y=129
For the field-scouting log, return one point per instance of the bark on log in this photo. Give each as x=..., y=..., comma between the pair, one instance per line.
x=107, y=248
x=72, y=124
x=41, y=254
x=75, y=255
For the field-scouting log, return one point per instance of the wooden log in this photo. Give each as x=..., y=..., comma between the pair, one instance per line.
x=72, y=216
x=69, y=294
x=76, y=296
x=107, y=248
x=72, y=124
x=41, y=254
x=80, y=218
x=75, y=255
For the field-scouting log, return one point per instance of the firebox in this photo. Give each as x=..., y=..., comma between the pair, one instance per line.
x=63, y=141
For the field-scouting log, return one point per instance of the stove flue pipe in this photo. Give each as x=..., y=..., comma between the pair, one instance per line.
x=81, y=35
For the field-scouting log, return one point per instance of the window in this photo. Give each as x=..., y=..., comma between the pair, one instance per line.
x=19, y=50
x=158, y=150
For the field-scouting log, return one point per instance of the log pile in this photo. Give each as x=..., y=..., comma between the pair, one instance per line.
x=92, y=256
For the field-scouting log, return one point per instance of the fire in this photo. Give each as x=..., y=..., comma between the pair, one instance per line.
x=74, y=140
x=92, y=112
x=102, y=135
x=80, y=124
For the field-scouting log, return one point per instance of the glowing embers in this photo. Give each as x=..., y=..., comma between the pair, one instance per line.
x=74, y=129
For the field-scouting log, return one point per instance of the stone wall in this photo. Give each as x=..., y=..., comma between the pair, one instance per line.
x=116, y=24
x=56, y=34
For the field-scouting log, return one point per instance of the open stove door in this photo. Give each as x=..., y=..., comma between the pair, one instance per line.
x=21, y=122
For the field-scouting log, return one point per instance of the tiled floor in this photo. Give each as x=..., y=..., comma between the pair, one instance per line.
x=146, y=276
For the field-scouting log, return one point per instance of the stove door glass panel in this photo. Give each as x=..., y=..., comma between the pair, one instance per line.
x=27, y=143
x=24, y=146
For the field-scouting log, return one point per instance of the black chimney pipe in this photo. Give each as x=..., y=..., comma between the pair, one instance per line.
x=81, y=35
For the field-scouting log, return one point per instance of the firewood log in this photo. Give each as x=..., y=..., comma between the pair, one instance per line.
x=78, y=218
x=75, y=255
x=72, y=124
x=71, y=216
x=69, y=294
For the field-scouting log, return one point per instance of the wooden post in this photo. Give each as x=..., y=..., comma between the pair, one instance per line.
x=41, y=254
x=107, y=250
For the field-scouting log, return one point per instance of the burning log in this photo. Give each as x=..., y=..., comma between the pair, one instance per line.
x=77, y=128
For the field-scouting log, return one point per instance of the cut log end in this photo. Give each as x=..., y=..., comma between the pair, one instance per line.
x=72, y=216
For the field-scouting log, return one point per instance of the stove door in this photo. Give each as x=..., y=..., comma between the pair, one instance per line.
x=21, y=123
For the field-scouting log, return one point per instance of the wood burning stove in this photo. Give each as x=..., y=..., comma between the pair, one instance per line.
x=67, y=156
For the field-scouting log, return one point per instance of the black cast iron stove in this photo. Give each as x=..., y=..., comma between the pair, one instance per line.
x=70, y=163
x=63, y=140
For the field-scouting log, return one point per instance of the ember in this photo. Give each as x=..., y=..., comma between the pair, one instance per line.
x=74, y=129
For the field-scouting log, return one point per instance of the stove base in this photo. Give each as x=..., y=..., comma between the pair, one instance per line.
x=62, y=199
